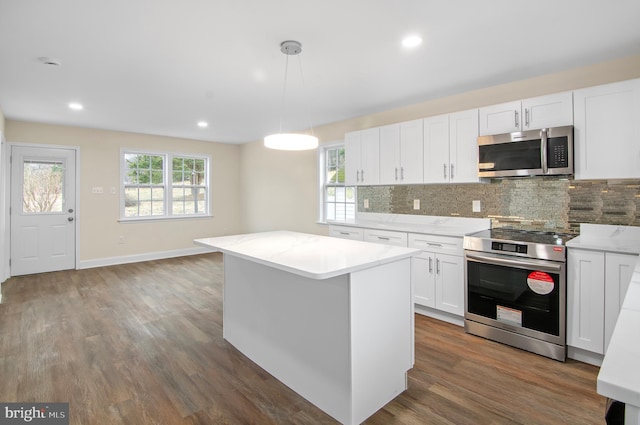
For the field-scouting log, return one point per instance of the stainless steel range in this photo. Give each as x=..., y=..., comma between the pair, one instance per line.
x=515, y=289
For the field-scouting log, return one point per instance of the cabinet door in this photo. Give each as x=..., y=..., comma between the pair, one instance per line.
x=463, y=147
x=436, y=149
x=423, y=279
x=585, y=300
x=450, y=284
x=606, y=131
x=554, y=110
x=390, y=154
x=411, y=155
x=618, y=271
x=370, y=156
x=352, y=158
x=502, y=118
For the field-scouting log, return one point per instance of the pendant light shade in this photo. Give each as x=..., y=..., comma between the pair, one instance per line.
x=290, y=141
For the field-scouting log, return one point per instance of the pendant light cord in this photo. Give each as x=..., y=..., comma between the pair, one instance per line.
x=284, y=91
x=305, y=94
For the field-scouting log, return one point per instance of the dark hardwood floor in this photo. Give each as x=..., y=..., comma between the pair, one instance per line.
x=142, y=344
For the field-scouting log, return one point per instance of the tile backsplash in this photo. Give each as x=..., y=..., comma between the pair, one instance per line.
x=531, y=203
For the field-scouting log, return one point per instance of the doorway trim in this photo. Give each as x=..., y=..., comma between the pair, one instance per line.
x=7, y=167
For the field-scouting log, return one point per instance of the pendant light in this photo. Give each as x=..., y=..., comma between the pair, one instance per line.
x=290, y=141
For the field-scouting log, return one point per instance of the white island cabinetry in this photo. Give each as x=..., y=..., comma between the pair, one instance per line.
x=330, y=318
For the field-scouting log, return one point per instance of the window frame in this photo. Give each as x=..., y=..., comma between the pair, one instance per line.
x=167, y=185
x=322, y=184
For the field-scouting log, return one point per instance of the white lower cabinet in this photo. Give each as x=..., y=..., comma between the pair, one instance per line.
x=387, y=237
x=597, y=282
x=438, y=273
x=346, y=232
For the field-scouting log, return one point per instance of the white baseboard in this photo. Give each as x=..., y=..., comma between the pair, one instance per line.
x=440, y=315
x=112, y=261
x=584, y=356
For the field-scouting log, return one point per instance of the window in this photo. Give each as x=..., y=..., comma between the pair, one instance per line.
x=338, y=200
x=164, y=185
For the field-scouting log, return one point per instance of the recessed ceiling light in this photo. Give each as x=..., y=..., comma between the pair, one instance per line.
x=412, y=41
x=203, y=124
x=76, y=106
x=50, y=61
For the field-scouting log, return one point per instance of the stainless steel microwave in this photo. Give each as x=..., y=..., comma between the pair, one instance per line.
x=543, y=152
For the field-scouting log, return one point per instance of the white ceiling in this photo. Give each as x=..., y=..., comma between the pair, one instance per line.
x=159, y=66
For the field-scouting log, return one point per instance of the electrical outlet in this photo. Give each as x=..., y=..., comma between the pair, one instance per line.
x=475, y=206
x=121, y=239
x=416, y=204
x=366, y=203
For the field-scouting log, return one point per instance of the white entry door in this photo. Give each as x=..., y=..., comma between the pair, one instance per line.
x=43, y=209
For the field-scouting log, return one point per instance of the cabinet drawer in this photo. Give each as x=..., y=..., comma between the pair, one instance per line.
x=436, y=243
x=346, y=232
x=386, y=237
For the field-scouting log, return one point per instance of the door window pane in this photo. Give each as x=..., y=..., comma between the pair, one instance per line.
x=43, y=187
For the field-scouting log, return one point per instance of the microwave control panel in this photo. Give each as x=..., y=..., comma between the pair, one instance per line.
x=557, y=152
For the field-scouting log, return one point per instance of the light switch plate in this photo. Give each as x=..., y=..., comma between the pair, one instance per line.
x=366, y=203
x=475, y=206
x=416, y=204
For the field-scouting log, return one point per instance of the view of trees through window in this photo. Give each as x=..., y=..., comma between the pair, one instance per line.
x=42, y=189
x=148, y=178
x=339, y=200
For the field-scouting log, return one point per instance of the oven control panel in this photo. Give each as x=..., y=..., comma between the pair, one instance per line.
x=509, y=247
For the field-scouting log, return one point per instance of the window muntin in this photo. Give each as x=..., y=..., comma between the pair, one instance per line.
x=164, y=185
x=339, y=201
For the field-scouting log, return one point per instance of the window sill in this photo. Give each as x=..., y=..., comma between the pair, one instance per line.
x=129, y=220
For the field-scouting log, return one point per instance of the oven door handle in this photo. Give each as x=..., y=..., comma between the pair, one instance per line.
x=519, y=263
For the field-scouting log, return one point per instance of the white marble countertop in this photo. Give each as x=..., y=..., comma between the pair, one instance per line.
x=312, y=256
x=619, y=376
x=610, y=238
x=433, y=225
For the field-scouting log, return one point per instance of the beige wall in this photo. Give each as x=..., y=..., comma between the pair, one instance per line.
x=100, y=166
x=279, y=189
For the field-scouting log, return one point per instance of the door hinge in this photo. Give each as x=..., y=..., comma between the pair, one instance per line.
x=9, y=262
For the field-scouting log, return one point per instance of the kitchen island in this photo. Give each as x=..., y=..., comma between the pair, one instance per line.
x=330, y=318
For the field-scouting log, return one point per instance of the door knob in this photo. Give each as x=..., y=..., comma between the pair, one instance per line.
x=70, y=210
x=70, y=219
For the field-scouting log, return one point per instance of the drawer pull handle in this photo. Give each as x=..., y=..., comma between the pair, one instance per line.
x=383, y=238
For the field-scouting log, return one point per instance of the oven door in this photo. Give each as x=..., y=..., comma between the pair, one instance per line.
x=521, y=295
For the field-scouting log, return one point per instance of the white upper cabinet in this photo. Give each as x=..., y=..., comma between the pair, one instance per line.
x=553, y=110
x=390, y=154
x=451, y=148
x=436, y=149
x=606, y=131
x=463, y=147
x=401, y=153
x=362, y=157
x=411, y=146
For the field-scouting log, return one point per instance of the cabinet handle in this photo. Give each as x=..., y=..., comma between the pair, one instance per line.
x=361, y=175
x=401, y=173
x=344, y=233
x=437, y=266
x=451, y=173
x=396, y=173
x=357, y=175
x=430, y=265
x=444, y=167
x=383, y=238
x=517, y=114
x=526, y=117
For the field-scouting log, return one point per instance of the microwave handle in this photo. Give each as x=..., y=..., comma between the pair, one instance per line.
x=543, y=150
